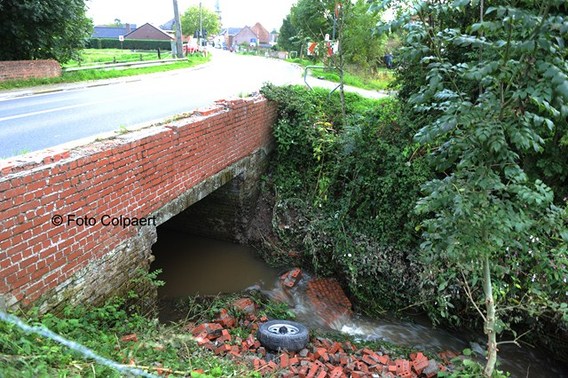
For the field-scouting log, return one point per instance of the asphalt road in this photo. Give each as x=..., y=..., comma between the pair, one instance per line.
x=38, y=118
x=35, y=121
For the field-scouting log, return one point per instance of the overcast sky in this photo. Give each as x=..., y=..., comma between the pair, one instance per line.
x=234, y=13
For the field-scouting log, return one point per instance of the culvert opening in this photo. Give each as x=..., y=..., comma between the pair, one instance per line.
x=198, y=254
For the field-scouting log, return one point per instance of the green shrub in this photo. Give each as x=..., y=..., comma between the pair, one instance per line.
x=130, y=44
x=346, y=190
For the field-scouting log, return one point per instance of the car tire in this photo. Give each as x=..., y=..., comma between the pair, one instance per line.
x=283, y=335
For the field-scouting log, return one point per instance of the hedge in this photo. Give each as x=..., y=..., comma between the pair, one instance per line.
x=130, y=44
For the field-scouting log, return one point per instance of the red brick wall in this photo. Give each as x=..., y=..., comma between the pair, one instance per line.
x=132, y=175
x=25, y=69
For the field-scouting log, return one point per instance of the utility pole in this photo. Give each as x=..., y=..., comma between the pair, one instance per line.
x=177, y=25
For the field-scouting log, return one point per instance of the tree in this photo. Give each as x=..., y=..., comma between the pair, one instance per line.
x=38, y=29
x=493, y=84
x=313, y=18
x=287, y=40
x=361, y=46
x=190, y=21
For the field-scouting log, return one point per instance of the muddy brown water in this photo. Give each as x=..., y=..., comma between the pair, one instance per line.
x=193, y=265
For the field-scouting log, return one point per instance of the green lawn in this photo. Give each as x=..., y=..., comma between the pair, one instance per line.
x=99, y=74
x=101, y=56
x=378, y=81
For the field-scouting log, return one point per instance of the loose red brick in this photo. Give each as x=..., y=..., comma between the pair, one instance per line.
x=358, y=374
x=226, y=320
x=235, y=351
x=336, y=347
x=210, y=346
x=202, y=339
x=303, y=372
x=367, y=351
x=245, y=305
x=336, y=373
x=321, y=353
x=402, y=367
x=131, y=337
x=313, y=370
x=223, y=349
x=257, y=363
x=213, y=330
x=419, y=365
x=349, y=346
x=272, y=366
x=284, y=360
x=368, y=360
x=225, y=333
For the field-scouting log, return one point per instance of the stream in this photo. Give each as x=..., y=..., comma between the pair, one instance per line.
x=194, y=265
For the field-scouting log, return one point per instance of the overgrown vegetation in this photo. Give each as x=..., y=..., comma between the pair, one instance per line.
x=380, y=80
x=148, y=345
x=488, y=85
x=345, y=192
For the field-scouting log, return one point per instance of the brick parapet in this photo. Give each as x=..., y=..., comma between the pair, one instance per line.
x=26, y=69
x=132, y=175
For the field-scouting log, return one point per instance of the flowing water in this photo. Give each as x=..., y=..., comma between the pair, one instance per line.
x=193, y=265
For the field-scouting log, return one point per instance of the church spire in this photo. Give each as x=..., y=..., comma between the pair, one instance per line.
x=218, y=11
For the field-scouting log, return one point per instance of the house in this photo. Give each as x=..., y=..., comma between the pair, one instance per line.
x=112, y=32
x=148, y=31
x=256, y=35
x=168, y=26
x=262, y=34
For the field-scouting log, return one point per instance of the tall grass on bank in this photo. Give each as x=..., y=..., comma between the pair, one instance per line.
x=380, y=80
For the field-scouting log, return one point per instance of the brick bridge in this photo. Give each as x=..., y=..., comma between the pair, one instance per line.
x=78, y=223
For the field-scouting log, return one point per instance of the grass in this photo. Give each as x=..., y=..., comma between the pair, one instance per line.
x=100, y=74
x=380, y=81
x=101, y=56
x=155, y=346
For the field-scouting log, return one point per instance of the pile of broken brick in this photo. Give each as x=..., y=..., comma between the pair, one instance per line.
x=322, y=357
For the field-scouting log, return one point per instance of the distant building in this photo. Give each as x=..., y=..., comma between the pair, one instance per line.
x=168, y=27
x=112, y=32
x=261, y=33
x=256, y=35
x=273, y=37
x=148, y=31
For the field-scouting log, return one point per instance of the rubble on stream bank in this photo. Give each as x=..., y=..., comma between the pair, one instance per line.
x=322, y=357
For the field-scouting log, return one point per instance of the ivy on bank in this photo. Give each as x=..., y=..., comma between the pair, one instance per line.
x=345, y=194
